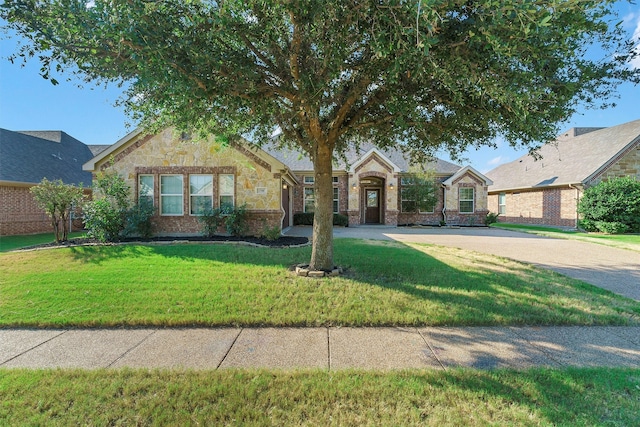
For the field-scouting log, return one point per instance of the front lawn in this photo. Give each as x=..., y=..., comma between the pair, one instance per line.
x=623, y=241
x=386, y=283
x=10, y=243
x=537, y=397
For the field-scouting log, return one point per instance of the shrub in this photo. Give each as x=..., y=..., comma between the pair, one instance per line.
x=236, y=220
x=104, y=223
x=491, y=218
x=270, y=233
x=611, y=227
x=138, y=220
x=614, y=201
x=210, y=221
x=105, y=216
x=340, y=220
x=307, y=219
x=303, y=219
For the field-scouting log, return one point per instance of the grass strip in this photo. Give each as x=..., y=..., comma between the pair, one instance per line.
x=387, y=284
x=11, y=243
x=537, y=397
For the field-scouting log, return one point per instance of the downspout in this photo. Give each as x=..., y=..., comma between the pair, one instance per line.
x=444, y=204
x=577, y=188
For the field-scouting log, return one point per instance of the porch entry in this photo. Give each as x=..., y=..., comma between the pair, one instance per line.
x=372, y=210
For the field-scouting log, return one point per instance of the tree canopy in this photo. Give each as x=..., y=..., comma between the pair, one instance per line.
x=419, y=75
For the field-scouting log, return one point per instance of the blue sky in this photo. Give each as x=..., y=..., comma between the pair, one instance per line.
x=28, y=102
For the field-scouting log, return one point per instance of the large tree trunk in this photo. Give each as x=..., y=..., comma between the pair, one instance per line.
x=322, y=249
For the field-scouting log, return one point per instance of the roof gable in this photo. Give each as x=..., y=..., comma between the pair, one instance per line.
x=568, y=160
x=393, y=157
x=467, y=170
x=29, y=156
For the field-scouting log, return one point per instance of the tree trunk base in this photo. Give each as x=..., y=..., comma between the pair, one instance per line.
x=303, y=270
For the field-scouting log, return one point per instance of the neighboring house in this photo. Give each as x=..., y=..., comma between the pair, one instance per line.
x=182, y=176
x=547, y=191
x=25, y=159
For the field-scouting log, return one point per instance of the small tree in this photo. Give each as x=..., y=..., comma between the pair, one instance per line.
x=419, y=191
x=57, y=199
x=612, y=206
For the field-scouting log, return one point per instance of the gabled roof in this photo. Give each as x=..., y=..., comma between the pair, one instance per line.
x=467, y=169
x=575, y=157
x=135, y=135
x=28, y=156
x=298, y=161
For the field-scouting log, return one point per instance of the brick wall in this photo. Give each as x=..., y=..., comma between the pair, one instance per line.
x=189, y=225
x=550, y=206
x=19, y=213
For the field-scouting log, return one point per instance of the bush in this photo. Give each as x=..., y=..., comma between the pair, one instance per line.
x=307, y=219
x=105, y=217
x=303, y=219
x=609, y=202
x=611, y=227
x=270, y=233
x=236, y=220
x=491, y=218
x=138, y=220
x=104, y=223
x=340, y=220
x=210, y=221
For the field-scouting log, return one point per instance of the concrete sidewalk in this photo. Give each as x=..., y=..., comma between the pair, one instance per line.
x=322, y=348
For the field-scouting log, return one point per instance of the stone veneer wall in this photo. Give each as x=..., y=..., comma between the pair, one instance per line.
x=628, y=165
x=166, y=153
x=480, y=211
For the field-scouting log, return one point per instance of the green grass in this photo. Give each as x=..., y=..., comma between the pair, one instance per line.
x=387, y=283
x=11, y=243
x=623, y=241
x=537, y=397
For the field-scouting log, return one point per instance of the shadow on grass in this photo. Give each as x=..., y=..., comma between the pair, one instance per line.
x=422, y=289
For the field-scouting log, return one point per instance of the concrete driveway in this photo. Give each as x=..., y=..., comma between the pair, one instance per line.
x=617, y=270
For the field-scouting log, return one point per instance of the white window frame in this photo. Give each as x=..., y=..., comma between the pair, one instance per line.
x=309, y=179
x=502, y=203
x=336, y=200
x=309, y=195
x=149, y=193
x=472, y=200
x=231, y=193
x=336, y=180
x=181, y=195
x=192, y=195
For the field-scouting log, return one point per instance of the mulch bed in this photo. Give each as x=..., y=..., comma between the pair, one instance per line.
x=282, y=242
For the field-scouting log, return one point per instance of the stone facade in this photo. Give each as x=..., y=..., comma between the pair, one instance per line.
x=256, y=184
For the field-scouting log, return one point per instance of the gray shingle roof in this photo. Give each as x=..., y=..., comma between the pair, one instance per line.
x=297, y=161
x=573, y=158
x=29, y=156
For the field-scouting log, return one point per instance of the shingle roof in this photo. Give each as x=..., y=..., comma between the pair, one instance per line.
x=29, y=156
x=300, y=162
x=574, y=158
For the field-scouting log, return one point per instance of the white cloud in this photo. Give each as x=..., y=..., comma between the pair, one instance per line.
x=635, y=63
x=497, y=160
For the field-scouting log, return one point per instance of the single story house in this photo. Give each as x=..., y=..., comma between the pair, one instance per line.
x=182, y=176
x=26, y=157
x=547, y=191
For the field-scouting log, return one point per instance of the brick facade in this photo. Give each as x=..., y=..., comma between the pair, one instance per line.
x=19, y=213
x=555, y=206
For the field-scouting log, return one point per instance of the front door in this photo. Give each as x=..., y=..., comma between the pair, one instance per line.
x=372, y=212
x=285, y=206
